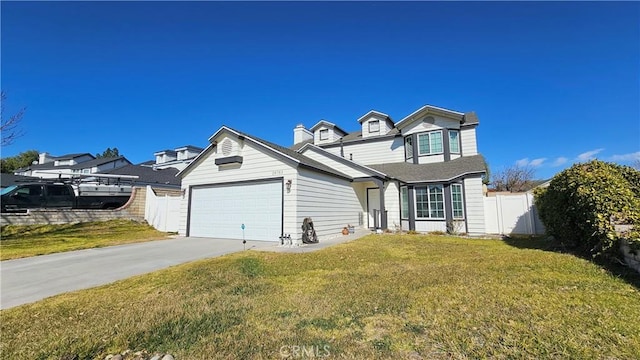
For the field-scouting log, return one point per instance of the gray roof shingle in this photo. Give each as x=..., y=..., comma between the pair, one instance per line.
x=96, y=162
x=305, y=161
x=147, y=175
x=443, y=171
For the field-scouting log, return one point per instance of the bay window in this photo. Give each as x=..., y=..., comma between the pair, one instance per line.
x=430, y=143
x=454, y=141
x=456, y=201
x=430, y=202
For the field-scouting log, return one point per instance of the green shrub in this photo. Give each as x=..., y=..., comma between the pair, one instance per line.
x=578, y=206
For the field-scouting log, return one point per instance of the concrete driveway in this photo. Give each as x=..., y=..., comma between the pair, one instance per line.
x=31, y=279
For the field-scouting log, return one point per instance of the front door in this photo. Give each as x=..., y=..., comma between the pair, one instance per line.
x=373, y=207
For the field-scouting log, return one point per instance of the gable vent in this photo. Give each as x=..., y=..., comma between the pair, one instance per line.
x=226, y=147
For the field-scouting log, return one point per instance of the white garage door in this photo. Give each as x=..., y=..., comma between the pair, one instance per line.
x=220, y=211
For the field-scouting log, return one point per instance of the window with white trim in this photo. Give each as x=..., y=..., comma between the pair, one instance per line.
x=457, y=204
x=404, y=202
x=454, y=141
x=408, y=147
x=374, y=126
x=430, y=202
x=430, y=143
x=324, y=134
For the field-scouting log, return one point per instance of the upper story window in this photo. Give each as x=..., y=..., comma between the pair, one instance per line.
x=454, y=141
x=324, y=134
x=374, y=126
x=430, y=143
x=408, y=147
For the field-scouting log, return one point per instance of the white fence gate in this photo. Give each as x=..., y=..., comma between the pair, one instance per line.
x=512, y=214
x=162, y=212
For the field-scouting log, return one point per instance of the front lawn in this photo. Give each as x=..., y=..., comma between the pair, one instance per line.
x=380, y=297
x=31, y=240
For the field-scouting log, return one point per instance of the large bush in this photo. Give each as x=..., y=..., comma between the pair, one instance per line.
x=582, y=203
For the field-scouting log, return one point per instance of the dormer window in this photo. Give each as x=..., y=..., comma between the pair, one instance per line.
x=374, y=126
x=324, y=134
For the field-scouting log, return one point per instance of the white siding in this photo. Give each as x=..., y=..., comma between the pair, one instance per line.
x=468, y=140
x=422, y=126
x=333, y=135
x=474, y=205
x=313, y=153
x=427, y=226
x=385, y=126
x=257, y=164
x=430, y=159
x=405, y=225
x=392, y=205
x=373, y=152
x=330, y=202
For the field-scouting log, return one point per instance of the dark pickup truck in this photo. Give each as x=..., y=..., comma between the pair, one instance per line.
x=66, y=196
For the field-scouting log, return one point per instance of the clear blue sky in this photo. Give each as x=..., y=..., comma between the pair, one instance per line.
x=552, y=83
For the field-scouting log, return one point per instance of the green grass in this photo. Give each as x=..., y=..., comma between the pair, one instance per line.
x=380, y=297
x=23, y=241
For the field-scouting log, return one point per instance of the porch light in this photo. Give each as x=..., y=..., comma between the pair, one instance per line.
x=288, y=184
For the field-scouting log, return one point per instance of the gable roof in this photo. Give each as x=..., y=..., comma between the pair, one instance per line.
x=429, y=109
x=96, y=162
x=189, y=147
x=147, y=175
x=70, y=156
x=327, y=124
x=277, y=149
x=373, y=112
x=436, y=172
x=167, y=151
x=347, y=162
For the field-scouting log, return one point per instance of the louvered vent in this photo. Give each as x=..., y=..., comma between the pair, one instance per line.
x=226, y=147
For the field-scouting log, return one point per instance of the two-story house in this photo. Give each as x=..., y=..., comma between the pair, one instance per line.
x=178, y=158
x=65, y=166
x=421, y=173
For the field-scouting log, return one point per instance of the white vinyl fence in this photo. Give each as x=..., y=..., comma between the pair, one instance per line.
x=162, y=212
x=512, y=214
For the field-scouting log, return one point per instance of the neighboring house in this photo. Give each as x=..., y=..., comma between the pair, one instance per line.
x=157, y=178
x=178, y=158
x=50, y=167
x=420, y=173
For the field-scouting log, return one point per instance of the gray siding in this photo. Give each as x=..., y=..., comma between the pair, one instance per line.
x=474, y=205
x=330, y=202
x=468, y=141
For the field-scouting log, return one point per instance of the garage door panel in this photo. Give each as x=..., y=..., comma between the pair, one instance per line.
x=220, y=211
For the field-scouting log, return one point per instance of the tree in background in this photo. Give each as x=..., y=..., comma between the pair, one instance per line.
x=514, y=179
x=10, y=164
x=9, y=126
x=109, y=153
x=486, y=178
